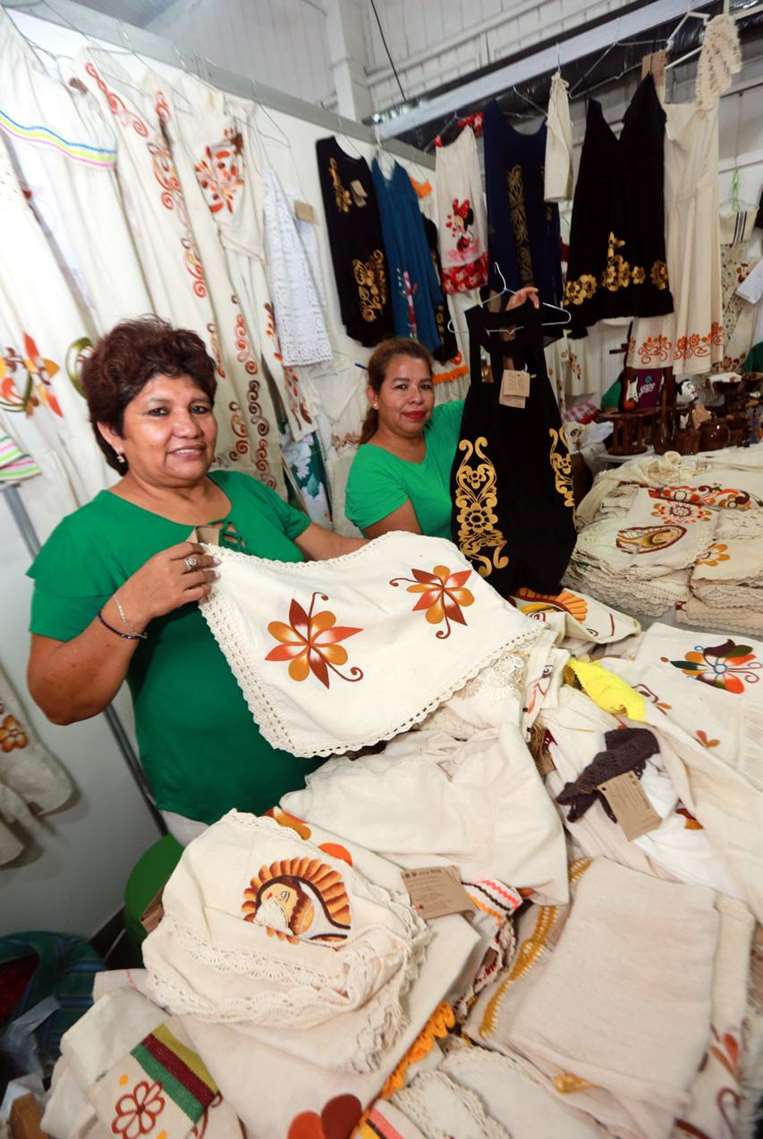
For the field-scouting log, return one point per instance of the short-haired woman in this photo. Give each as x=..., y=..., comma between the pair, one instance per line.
x=118, y=582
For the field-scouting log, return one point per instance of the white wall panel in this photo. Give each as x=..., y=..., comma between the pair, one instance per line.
x=281, y=43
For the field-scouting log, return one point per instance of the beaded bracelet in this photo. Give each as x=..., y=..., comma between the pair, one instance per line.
x=124, y=636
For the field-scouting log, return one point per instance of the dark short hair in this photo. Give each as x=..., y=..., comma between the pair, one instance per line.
x=381, y=358
x=125, y=359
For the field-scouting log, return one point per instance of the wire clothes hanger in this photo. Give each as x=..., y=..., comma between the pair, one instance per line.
x=512, y=292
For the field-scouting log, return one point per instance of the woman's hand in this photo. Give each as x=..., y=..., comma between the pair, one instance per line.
x=172, y=578
x=528, y=293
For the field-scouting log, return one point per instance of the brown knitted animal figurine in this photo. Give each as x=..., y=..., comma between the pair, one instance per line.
x=627, y=749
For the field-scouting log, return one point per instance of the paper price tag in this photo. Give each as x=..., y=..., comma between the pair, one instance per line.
x=358, y=192
x=305, y=212
x=515, y=383
x=632, y=809
x=436, y=891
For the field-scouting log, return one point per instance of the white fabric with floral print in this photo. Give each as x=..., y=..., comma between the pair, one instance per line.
x=461, y=215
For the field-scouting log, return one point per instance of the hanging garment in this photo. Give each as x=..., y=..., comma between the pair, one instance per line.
x=414, y=283
x=719, y=60
x=301, y=326
x=354, y=230
x=511, y=478
x=523, y=232
x=617, y=263
x=158, y=212
x=448, y=349
x=66, y=154
x=692, y=338
x=15, y=466
x=738, y=312
x=404, y=620
x=219, y=131
x=251, y=906
x=751, y=290
x=40, y=402
x=461, y=219
x=558, y=165
x=253, y=418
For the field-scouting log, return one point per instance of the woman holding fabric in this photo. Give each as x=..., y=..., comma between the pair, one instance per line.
x=118, y=582
x=400, y=477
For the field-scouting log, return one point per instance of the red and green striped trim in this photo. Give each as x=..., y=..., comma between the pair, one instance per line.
x=180, y=1071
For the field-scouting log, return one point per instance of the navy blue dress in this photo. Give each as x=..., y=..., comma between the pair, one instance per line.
x=414, y=285
x=523, y=230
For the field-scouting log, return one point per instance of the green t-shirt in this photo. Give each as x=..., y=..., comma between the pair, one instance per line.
x=380, y=482
x=201, y=750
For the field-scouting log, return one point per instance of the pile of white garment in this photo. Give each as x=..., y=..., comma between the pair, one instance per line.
x=677, y=535
x=600, y=985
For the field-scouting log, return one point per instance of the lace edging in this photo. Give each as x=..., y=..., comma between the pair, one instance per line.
x=264, y=713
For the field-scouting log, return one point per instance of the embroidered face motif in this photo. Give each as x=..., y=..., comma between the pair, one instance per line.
x=648, y=539
x=299, y=898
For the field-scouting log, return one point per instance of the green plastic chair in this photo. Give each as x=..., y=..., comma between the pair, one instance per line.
x=148, y=876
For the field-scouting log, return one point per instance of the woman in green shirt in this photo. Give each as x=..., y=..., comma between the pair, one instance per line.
x=118, y=582
x=400, y=477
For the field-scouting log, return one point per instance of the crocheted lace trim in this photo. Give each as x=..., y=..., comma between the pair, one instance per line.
x=230, y=635
x=418, y=1100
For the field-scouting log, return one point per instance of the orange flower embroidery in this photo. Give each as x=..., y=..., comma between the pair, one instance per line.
x=442, y=595
x=715, y=555
x=12, y=734
x=705, y=740
x=310, y=643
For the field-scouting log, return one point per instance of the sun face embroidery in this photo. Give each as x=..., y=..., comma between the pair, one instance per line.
x=442, y=596
x=728, y=666
x=299, y=899
x=310, y=642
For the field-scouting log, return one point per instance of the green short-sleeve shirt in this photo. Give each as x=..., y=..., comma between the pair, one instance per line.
x=380, y=482
x=201, y=751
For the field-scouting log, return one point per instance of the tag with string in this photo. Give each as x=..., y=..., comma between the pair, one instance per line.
x=515, y=388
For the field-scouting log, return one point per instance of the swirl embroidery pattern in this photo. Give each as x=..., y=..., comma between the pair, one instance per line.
x=476, y=498
x=371, y=279
x=343, y=197
x=515, y=185
x=562, y=467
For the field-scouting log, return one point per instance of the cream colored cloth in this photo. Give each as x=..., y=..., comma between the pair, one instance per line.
x=479, y=804
x=92, y=1095
x=461, y=216
x=620, y=1019
x=515, y=1099
x=333, y=656
x=713, y=1104
x=558, y=167
x=697, y=613
x=584, y=618
x=690, y=338
x=286, y=940
x=269, y=1088
x=677, y=849
x=705, y=698
x=440, y=1108
x=719, y=61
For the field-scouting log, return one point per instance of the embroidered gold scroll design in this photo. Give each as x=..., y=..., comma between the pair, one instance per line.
x=476, y=498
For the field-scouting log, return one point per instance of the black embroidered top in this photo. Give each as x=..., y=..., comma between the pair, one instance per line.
x=523, y=230
x=357, y=252
x=448, y=349
x=617, y=241
x=511, y=480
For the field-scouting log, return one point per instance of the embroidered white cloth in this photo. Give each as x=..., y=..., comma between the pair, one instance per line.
x=336, y=655
x=615, y=1027
x=267, y=931
x=124, y=1066
x=558, y=168
x=440, y=1107
x=301, y=324
x=584, y=618
x=719, y=61
x=461, y=216
x=515, y=1099
x=704, y=694
x=677, y=849
x=486, y=809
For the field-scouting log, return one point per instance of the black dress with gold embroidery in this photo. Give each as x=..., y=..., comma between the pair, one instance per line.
x=357, y=251
x=523, y=230
x=513, y=510
x=617, y=242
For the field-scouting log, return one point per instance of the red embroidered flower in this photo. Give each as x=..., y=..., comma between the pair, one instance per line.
x=138, y=1110
x=442, y=595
